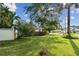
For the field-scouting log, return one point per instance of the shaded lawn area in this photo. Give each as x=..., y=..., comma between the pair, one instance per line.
x=53, y=44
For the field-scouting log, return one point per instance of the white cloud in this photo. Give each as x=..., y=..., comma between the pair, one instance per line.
x=66, y=18
x=51, y=8
x=72, y=17
x=25, y=15
x=12, y=7
x=27, y=20
x=77, y=10
x=72, y=12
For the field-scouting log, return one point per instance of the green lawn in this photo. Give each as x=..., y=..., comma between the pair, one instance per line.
x=53, y=44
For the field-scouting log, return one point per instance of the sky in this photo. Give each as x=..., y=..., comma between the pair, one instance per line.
x=19, y=9
x=74, y=16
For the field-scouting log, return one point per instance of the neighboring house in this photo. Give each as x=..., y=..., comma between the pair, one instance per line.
x=8, y=33
x=75, y=29
x=57, y=31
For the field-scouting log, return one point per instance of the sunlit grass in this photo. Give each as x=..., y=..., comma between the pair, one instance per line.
x=54, y=44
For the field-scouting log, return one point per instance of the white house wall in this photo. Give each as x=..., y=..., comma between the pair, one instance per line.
x=6, y=34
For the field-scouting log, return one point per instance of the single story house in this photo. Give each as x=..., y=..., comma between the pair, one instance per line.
x=7, y=34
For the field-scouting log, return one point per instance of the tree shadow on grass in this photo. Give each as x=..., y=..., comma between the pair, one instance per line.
x=76, y=49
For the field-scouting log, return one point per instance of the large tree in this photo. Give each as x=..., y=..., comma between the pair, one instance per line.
x=43, y=12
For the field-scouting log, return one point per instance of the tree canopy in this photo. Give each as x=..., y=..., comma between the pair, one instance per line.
x=6, y=17
x=42, y=13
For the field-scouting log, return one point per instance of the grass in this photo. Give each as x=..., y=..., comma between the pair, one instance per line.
x=53, y=44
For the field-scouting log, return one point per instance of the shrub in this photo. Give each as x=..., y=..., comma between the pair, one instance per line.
x=39, y=33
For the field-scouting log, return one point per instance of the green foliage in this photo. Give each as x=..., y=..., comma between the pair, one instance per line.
x=26, y=29
x=40, y=13
x=51, y=25
x=40, y=33
x=7, y=17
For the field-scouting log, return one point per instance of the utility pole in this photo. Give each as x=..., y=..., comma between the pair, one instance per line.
x=68, y=23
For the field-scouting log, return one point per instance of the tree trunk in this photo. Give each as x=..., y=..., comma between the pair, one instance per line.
x=68, y=23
